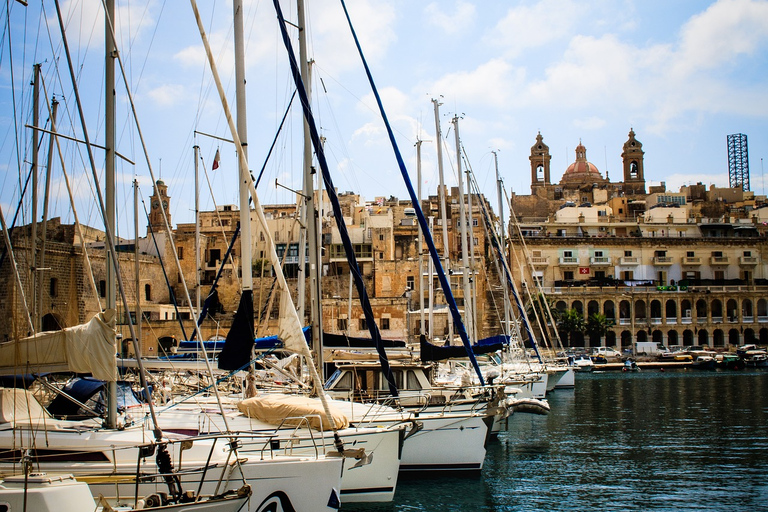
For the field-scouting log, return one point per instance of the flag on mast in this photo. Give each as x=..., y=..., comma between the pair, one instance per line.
x=216, y=160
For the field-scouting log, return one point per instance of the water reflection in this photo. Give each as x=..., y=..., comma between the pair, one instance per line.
x=640, y=441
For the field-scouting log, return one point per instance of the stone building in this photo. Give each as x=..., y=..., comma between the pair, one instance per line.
x=678, y=268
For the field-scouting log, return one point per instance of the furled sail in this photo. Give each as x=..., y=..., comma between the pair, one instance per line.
x=85, y=348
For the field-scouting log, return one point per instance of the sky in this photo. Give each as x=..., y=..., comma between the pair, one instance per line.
x=683, y=75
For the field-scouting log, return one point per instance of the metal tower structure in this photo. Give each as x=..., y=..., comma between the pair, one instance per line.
x=738, y=161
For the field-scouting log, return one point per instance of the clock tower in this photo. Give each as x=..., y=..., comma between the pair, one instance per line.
x=159, y=202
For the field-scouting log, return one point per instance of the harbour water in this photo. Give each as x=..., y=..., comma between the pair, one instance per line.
x=665, y=441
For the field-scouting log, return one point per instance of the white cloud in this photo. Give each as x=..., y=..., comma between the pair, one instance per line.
x=527, y=27
x=451, y=23
x=589, y=123
x=492, y=84
x=167, y=95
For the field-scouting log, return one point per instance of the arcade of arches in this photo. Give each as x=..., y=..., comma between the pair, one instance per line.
x=676, y=319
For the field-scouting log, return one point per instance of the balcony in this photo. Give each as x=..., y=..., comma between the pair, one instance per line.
x=718, y=260
x=662, y=260
x=691, y=260
x=686, y=320
x=625, y=321
x=569, y=260
x=747, y=260
x=717, y=319
x=748, y=319
x=629, y=260
x=600, y=260
x=540, y=261
x=655, y=320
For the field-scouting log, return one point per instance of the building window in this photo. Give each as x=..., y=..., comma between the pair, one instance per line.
x=690, y=254
x=277, y=236
x=598, y=254
x=103, y=288
x=627, y=275
x=410, y=281
x=54, y=287
x=627, y=254
x=261, y=236
x=381, y=255
x=342, y=324
x=567, y=254
x=147, y=291
x=180, y=252
x=747, y=254
x=381, y=236
x=568, y=275
x=719, y=275
x=475, y=241
x=385, y=324
x=363, y=324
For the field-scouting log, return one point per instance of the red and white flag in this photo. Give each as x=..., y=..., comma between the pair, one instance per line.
x=216, y=160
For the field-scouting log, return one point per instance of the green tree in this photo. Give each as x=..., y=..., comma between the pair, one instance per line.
x=597, y=326
x=571, y=322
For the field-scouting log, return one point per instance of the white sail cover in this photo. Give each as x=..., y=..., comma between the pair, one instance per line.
x=85, y=348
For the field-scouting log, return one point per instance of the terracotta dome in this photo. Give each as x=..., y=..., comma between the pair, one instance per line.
x=581, y=171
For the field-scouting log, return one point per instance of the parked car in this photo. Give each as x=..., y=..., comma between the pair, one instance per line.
x=605, y=352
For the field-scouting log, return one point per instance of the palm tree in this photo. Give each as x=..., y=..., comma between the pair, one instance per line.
x=597, y=326
x=571, y=322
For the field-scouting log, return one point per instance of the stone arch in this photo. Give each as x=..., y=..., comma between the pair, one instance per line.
x=747, y=310
x=717, y=309
x=165, y=344
x=763, y=336
x=593, y=307
x=670, y=309
x=626, y=339
x=703, y=337
x=561, y=306
x=610, y=339
x=658, y=336
x=672, y=338
x=718, y=338
x=642, y=336
x=625, y=310
x=52, y=322
x=701, y=309
x=762, y=308
x=578, y=306
x=749, y=336
x=655, y=308
x=640, y=310
x=733, y=337
x=687, y=338
x=685, y=308
x=732, y=310
x=609, y=310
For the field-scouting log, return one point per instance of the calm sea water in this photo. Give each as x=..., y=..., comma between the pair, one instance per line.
x=675, y=440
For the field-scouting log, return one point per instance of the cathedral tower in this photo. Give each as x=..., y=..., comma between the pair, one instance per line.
x=540, y=161
x=159, y=198
x=632, y=156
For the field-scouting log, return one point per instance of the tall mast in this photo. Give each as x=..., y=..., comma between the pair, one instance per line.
x=502, y=240
x=441, y=195
x=46, y=198
x=33, y=238
x=136, y=261
x=109, y=179
x=421, y=256
x=242, y=131
x=197, y=230
x=312, y=218
x=469, y=316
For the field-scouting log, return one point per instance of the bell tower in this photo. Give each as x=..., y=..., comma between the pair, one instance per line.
x=540, y=161
x=159, y=200
x=632, y=156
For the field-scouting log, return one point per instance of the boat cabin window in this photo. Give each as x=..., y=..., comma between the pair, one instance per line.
x=344, y=383
x=413, y=383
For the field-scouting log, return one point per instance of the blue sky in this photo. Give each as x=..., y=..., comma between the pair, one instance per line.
x=682, y=74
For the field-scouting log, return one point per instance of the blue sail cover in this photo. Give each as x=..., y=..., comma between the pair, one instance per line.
x=457, y=321
x=365, y=303
x=239, y=344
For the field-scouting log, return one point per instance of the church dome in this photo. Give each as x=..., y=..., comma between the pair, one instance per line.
x=581, y=171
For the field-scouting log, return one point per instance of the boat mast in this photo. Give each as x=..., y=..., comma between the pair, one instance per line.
x=136, y=262
x=246, y=265
x=502, y=241
x=421, y=256
x=441, y=195
x=197, y=230
x=312, y=217
x=46, y=198
x=469, y=317
x=33, y=238
x=109, y=179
